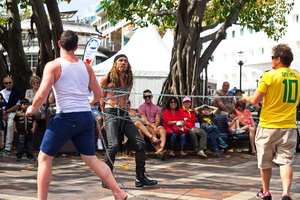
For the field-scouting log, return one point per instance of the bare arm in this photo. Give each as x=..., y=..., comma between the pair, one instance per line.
x=215, y=109
x=94, y=86
x=51, y=73
x=146, y=120
x=157, y=120
x=12, y=109
x=15, y=127
x=103, y=83
x=255, y=98
x=34, y=126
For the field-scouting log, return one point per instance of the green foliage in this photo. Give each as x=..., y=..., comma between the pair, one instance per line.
x=24, y=11
x=259, y=15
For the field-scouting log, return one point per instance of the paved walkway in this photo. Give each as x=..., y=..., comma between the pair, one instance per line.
x=233, y=176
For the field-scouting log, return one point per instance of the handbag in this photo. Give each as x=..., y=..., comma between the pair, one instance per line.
x=179, y=129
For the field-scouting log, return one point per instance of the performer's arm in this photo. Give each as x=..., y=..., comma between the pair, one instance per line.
x=50, y=76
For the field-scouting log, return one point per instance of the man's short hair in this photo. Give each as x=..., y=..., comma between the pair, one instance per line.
x=285, y=53
x=68, y=40
x=147, y=91
x=24, y=101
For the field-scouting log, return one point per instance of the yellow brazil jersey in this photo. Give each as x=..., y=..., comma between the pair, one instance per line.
x=281, y=88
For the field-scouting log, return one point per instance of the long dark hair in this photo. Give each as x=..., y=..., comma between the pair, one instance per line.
x=115, y=79
x=172, y=99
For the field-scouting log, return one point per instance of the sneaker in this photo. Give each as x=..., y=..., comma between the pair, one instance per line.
x=263, y=196
x=240, y=131
x=201, y=155
x=223, y=145
x=5, y=153
x=31, y=159
x=286, y=197
x=18, y=159
x=235, y=137
x=217, y=153
x=99, y=145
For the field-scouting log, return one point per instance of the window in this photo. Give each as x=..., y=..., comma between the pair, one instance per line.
x=233, y=34
x=32, y=61
x=242, y=32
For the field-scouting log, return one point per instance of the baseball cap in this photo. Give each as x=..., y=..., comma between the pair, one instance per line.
x=186, y=99
x=204, y=106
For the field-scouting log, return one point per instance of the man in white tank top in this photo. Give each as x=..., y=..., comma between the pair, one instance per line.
x=70, y=79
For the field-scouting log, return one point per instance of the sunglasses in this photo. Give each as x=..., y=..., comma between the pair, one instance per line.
x=173, y=102
x=147, y=97
x=36, y=83
x=273, y=57
x=6, y=83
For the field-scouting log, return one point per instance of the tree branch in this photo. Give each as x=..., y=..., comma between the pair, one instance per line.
x=164, y=12
x=211, y=26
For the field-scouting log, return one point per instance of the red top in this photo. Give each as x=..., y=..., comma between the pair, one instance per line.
x=169, y=116
x=245, y=117
x=190, y=117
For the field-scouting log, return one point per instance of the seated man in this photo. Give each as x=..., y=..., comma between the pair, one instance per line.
x=222, y=102
x=139, y=123
x=152, y=114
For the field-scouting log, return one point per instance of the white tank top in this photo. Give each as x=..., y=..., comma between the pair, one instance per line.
x=71, y=89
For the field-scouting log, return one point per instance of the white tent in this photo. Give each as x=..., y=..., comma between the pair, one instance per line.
x=150, y=62
x=168, y=39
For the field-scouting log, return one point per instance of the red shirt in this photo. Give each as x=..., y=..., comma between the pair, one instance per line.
x=190, y=117
x=245, y=117
x=169, y=116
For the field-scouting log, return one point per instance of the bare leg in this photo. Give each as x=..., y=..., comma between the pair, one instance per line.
x=286, y=173
x=156, y=147
x=44, y=175
x=103, y=171
x=252, y=138
x=145, y=131
x=266, y=175
x=162, y=136
x=1, y=138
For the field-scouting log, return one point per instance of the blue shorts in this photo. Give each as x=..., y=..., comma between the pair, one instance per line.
x=77, y=126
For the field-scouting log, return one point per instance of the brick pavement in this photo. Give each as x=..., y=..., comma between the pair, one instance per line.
x=233, y=176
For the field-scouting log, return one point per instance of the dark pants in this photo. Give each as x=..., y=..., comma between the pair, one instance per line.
x=182, y=140
x=115, y=123
x=198, y=138
x=214, y=135
x=25, y=145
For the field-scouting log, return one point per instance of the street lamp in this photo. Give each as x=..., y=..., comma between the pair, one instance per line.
x=240, y=58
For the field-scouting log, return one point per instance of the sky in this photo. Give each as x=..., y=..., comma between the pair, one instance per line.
x=84, y=7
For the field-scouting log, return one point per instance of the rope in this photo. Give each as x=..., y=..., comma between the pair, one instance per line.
x=118, y=93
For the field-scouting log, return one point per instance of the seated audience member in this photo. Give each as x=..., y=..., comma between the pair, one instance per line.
x=140, y=124
x=233, y=122
x=197, y=135
x=174, y=124
x=151, y=114
x=207, y=121
x=223, y=100
x=35, y=82
x=247, y=120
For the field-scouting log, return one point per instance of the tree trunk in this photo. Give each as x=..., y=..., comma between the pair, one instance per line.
x=57, y=27
x=19, y=68
x=187, y=59
x=3, y=69
x=44, y=35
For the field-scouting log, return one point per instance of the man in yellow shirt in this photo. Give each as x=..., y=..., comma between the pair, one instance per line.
x=276, y=136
